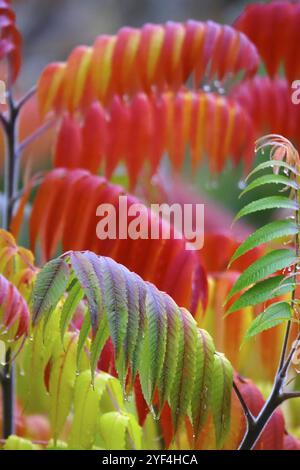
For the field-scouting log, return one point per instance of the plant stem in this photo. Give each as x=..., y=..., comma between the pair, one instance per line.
x=10, y=188
x=253, y=433
x=8, y=388
x=249, y=417
x=25, y=98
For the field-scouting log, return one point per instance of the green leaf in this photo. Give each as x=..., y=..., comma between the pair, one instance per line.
x=262, y=268
x=221, y=397
x=98, y=344
x=83, y=336
x=154, y=343
x=49, y=287
x=87, y=278
x=270, y=179
x=86, y=410
x=115, y=304
x=134, y=433
x=263, y=291
x=116, y=427
x=136, y=353
x=113, y=397
x=75, y=295
x=57, y=445
x=35, y=357
x=274, y=315
x=132, y=333
x=172, y=350
x=203, y=380
x=273, y=164
x=61, y=382
x=184, y=386
x=19, y=443
x=270, y=202
x=271, y=231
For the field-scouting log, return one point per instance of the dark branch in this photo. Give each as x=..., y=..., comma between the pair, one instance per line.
x=249, y=416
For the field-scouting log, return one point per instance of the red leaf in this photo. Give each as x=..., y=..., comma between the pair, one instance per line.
x=274, y=29
x=72, y=219
x=153, y=57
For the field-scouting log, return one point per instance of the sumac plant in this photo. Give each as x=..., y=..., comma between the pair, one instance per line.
x=142, y=343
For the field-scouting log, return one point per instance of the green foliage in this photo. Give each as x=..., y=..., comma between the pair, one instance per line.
x=270, y=202
x=93, y=421
x=19, y=443
x=51, y=285
x=263, y=291
x=273, y=274
x=268, y=264
x=273, y=164
x=270, y=179
x=62, y=381
x=152, y=337
x=274, y=315
x=272, y=231
x=33, y=359
x=205, y=355
x=120, y=431
x=220, y=397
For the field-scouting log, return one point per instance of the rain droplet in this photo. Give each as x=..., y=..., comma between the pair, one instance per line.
x=153, y=413
x=125, y=397
x=242, y=184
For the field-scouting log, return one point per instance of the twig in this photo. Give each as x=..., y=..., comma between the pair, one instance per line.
x=25, y=98
x=287, y=395
x=249, y=416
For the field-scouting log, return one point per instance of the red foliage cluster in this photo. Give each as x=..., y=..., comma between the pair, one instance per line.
x=159, y=56
x=14, y=313
x=10, y=39
x=274, y=29
x=149, y=126
x=269, y=104
x=72, y=219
